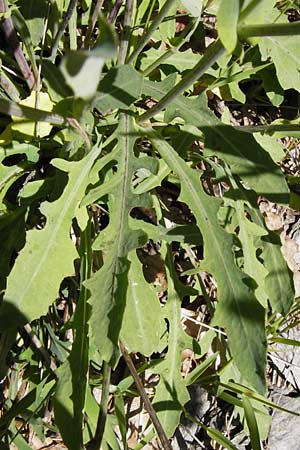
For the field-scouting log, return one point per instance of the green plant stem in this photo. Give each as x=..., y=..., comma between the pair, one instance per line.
x=21, y=27
x=13, y=109
x=62, y=27
x=213, y=52
x=148, y=405
x=155, y=24
x=126, y=32
x=150, y=11
x=38, y=345
x=38, y=115
x=92, y=23
x=13, y=41
x=95, y=443
x=8, y=87
x=272, y=29
x=269, y=128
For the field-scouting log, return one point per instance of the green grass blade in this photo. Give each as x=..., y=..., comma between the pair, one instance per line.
x=252, y=424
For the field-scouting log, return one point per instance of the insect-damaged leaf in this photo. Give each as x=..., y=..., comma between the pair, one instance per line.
x=109, y=285
x=49, y=253
x=238, y=311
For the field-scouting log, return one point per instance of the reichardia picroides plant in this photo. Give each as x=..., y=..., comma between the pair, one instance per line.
x=116, y=130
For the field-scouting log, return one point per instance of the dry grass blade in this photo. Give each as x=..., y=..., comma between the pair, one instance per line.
x=148, y=405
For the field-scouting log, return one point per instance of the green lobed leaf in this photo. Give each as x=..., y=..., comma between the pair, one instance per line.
x=283, y=50
x=236, y=73
x=249, y=234
x=180, y=60
x=271, y=145
x=179, y=233
x=278, y=282
x=238, y=310
x=109, y=285
x=143, y=325
x=120, y=87
x=49, y=253
x=239, y=149
x=159, y=89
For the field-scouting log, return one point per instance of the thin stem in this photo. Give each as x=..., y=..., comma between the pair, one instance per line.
x=62, y=27
x=12, y=39
x=272, y=29
x=38, y=345
x=187, y=33
x=92, y=23
x=13, y=109
x=25, y=38
x=150, y=11
x=95, y=443
x=269, y=128
x=38, y=115
x=126, y=32
x=155, y=24
x=8, y=87
x=148, y=405
x=114, y=11
x=213, y=52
